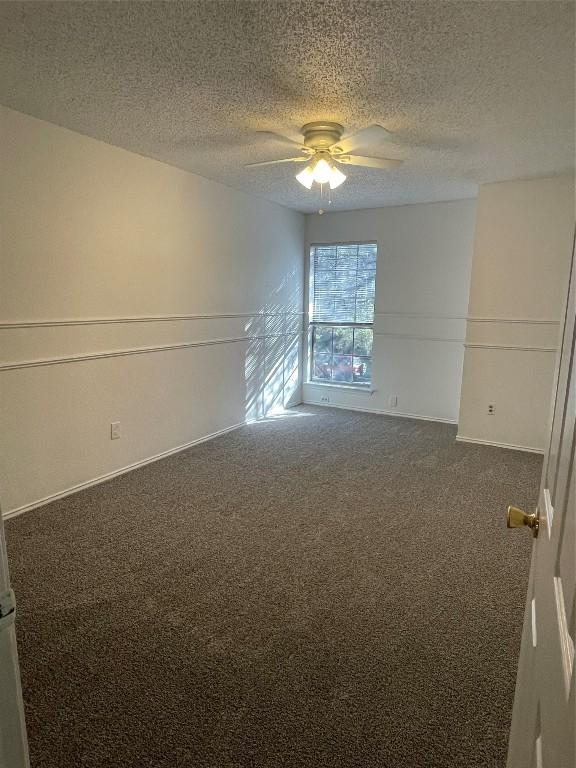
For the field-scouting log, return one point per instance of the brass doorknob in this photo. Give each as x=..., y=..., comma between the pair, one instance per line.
x=517, y=518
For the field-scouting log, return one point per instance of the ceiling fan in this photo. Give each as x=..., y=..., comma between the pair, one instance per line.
x=324, y=148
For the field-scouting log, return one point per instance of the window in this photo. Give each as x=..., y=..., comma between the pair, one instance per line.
x=342, y=285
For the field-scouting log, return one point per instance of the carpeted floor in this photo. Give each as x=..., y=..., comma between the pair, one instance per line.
x=326, y=590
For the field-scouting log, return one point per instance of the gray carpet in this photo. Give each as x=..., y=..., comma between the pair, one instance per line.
x=327, y=590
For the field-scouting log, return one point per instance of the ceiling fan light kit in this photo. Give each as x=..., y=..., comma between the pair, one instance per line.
x=321, y=171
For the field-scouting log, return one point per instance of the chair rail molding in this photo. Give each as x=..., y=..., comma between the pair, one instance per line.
x=526, y=320
x=515, y=347
x=55, y=323
x=140, y=351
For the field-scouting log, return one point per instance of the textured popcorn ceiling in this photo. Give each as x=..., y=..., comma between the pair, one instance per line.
x=473, y=91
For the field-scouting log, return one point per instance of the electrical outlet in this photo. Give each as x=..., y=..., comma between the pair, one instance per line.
x=491, y=409
x=392, y=401
x=325, y=398
x=115, y=433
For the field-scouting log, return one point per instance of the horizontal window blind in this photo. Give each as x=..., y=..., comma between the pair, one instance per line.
x=343, y=283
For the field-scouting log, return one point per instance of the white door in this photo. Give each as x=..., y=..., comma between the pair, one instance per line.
x=13, y=744
x=543, y=732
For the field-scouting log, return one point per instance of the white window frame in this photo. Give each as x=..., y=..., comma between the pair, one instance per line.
x=354, y=386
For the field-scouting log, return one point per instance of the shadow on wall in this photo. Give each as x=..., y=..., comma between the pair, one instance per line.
x=273, y=361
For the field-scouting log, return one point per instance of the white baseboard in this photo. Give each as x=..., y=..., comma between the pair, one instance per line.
x=509, y=446
x=109, y=475
x=382, y=411
x=128, y=468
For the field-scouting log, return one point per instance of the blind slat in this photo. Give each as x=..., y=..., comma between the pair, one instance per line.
x=343, y=283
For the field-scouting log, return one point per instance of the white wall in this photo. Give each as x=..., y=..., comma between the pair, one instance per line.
x=522, y=251
x=422, y=283
x=89, y=231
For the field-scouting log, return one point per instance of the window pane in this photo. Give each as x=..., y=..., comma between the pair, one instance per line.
x=342, y=369
x=362, y=370
x=364, y=312
x=321, y=367
x=343, y=283
x=363, y=341
x=326, y=261
x=343, y=341
x=343, y=307
x=322, y=340
x=367, y=258
x=342, y=354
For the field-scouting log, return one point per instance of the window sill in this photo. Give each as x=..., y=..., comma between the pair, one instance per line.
x=363, y=390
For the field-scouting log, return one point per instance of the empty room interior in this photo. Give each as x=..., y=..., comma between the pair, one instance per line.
x=287, y=408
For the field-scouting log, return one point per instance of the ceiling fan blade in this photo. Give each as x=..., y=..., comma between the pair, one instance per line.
x=302, y=159
x=280, y=137
x=373, y=134
x=367, y=162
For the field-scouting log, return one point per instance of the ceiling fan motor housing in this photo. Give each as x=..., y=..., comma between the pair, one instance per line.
x=321, y=135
